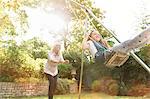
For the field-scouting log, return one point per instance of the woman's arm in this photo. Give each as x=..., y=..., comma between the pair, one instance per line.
x=62, y=60
x=53, y=61
x=58, y=62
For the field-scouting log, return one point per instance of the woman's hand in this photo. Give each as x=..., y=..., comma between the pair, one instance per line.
x=66, y=61
x=52, y=62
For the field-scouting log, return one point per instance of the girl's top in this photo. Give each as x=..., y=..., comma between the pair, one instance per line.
x=95, y=47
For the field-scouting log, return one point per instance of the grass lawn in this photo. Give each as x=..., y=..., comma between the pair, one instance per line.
x=84, y=96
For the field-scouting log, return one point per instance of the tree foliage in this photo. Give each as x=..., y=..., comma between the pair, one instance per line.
x=28, y=58
x=36, y=48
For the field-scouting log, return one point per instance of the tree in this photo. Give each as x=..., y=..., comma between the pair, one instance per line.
x=36, y=48
x=13, y=23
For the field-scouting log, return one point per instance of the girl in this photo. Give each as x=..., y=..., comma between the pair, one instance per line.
x=100, y=49
x=54, y=58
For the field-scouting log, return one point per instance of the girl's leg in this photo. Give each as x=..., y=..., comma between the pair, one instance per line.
x=137, y=42
x=99, y=58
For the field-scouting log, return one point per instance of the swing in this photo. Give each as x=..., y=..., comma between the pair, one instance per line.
x=109, y=58
x=116, y=59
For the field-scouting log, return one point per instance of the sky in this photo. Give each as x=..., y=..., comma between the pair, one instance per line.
x=43, y=23
x=124, y=16
x=121, y=16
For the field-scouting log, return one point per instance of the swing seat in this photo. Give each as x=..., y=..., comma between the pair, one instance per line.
x=116, y=59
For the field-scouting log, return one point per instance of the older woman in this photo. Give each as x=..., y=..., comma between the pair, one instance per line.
x=54, y=58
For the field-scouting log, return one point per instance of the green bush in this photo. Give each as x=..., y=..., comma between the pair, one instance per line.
x=96, y=86
x=65, y=70
x=6, y=78
x=11, y=60
x=16, y=63
x=39, y=68
x=106, y=85
x=31, y=80
x=63, y=86
x=138, y=90
x=32, y=68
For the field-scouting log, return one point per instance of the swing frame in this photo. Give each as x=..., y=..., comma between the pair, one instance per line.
x=88, y=12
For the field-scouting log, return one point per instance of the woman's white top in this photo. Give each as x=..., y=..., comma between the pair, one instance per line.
x=92, y=48
x=51, y=67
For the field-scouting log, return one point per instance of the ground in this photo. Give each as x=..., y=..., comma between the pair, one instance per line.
x=85, y=96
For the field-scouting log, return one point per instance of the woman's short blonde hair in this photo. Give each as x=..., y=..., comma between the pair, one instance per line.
x=56, y=44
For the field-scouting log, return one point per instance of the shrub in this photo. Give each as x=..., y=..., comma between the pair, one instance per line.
x=16, y=62
x=10, y=62
x=138, y=90
x=106, y=85
x=31, y=80
x=65, y=70
x=39, y=68
x=96, y=86
x=63, y=86
x=20, y=66
x=6, y=78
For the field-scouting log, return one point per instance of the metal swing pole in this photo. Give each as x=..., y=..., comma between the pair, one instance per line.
x=147, y=68
x=81, y=77
x=82, y=61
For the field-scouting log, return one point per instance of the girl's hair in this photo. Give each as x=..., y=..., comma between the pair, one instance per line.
x=95, y=31
x=101, y=38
